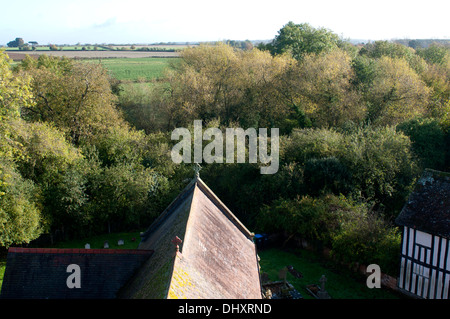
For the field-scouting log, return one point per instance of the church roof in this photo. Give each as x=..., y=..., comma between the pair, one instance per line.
x=216, y=259
x=428, y=206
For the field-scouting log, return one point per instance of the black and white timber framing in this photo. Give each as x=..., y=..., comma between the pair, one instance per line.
x=425, y=251
x=425, y=265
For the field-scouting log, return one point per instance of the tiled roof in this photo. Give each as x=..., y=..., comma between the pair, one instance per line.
x=42, y=273
x=428, y=206
x=217, y=256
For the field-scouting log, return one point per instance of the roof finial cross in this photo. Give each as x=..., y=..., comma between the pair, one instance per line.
x=197, y=169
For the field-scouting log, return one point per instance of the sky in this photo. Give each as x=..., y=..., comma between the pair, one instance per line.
x=149, y=21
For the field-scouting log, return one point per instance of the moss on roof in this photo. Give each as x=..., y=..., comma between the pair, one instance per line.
x=153, y=279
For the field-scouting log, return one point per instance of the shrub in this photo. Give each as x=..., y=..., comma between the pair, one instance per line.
x=428, y=141
x=382, y=165
x=308, y=217
x=355, y=234
x=368, y=239
x=324, y=175
x=303, y=145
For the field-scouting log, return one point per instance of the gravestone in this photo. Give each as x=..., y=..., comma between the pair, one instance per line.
x=87, y=246
x=322, y=293
x=120, y=242
x=106, y=244
x=282, y=273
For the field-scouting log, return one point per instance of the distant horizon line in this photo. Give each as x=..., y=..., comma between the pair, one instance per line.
x=360, y=40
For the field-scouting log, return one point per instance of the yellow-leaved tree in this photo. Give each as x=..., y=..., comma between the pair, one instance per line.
x=397, y=92
x=20, y=213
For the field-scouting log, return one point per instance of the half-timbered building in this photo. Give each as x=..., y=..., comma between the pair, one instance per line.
x=425, y=251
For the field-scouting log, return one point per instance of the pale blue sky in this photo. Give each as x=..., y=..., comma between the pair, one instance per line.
x=148, y=21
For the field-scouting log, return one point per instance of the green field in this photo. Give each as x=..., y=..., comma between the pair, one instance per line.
x=137, y=69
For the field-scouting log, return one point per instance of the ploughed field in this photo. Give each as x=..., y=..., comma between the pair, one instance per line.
x=16, y=56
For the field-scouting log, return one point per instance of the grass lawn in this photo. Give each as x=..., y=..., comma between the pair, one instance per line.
x=341, y=283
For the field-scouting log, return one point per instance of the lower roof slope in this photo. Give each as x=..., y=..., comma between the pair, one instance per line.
x=42, y=273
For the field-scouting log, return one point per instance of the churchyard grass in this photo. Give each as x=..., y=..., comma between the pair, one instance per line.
x=341, y=282
x=96, y=242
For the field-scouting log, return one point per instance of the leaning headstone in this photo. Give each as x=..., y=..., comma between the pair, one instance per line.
x=120, y=242
x=87, y=246
x=106, y=244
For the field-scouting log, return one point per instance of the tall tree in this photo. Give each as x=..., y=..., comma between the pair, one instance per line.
x=301, y=39
x=76, y=97
x=435, y=54
x=321, y=86
x=397, y=93
x=221, y=82
x=17, y=43
x=20, y=213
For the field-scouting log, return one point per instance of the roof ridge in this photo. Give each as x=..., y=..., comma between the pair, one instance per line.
x=225, y=209
x=169, y=209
